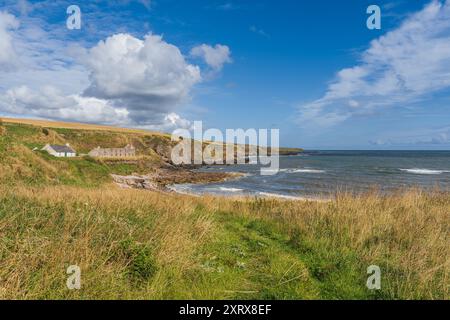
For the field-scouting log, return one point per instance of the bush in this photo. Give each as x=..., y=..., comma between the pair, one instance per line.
x=142, y=265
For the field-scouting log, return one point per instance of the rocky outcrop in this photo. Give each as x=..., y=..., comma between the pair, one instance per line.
x=163, y=177
x=135, y=182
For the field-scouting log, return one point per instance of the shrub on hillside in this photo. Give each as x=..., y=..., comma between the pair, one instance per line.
x=141, y=263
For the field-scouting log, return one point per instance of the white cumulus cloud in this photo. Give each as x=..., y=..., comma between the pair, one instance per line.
x=146, y=76
x=49, y=102
x=122, y=80
x=215, y=57
x=401, y=67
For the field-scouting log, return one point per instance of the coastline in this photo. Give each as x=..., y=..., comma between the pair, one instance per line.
x=242, y=196
x=162, y=178
x=168, y=180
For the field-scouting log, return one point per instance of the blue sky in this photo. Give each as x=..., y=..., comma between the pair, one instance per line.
x=310, y=68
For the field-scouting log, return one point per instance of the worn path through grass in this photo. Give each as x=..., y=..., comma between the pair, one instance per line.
x=253, y=259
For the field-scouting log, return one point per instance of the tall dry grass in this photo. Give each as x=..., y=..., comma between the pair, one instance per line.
x=407, y=234
x=45, y=231
x=138, y=244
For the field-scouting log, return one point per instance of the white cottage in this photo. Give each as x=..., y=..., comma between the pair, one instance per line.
x=60, y=151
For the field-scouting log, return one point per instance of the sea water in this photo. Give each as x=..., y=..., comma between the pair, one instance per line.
x=320, y=174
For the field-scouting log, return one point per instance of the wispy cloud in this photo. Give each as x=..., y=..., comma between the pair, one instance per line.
x=405, y=65
x=391, y=5
x=8, y=54
x=418, y=137
x=146, y=3
x=227, y=6
x=214, y=56
x=259, y=31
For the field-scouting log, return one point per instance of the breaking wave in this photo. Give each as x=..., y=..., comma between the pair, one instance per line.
x=230, y=189
x=425, y=171
x=281, y=196
x=306, y=171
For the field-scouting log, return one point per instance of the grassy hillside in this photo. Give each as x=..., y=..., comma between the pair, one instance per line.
x=133, y=244
x=20, y=164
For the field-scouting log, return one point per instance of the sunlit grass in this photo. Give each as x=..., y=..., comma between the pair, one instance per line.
x=142, y=245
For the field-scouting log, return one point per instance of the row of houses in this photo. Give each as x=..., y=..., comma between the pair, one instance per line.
x=67, y=151
x=128, y=151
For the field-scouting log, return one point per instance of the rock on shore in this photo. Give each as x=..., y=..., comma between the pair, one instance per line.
x=162, y=177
